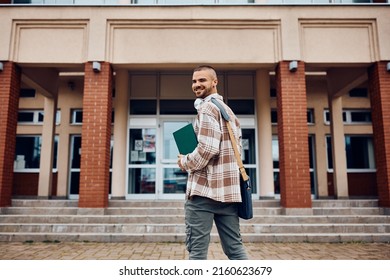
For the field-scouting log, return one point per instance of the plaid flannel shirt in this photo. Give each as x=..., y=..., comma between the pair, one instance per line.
x=212, y=167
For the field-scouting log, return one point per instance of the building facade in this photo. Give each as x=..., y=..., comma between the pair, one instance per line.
x=90, y=96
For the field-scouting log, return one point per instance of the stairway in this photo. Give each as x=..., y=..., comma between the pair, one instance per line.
x=163, y=221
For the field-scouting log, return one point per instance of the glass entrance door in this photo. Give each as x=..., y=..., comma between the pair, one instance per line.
x=152, y=169
x=173, y=179
x=142, y=162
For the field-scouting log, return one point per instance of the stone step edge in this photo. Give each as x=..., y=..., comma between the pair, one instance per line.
x=68, y=203
x=352, y=216
x=168, y=234
x=175, y=208
x=115, y=238
x=179, y=200
x=175, y=224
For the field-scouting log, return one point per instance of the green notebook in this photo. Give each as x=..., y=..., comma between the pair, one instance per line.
x=186, y=139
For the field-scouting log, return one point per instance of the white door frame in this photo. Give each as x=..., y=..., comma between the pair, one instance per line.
x=157, y=123
x=168, y=163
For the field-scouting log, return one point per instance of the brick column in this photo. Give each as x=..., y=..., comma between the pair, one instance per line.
x=293, y=138
x=9, y=103
x=96, y=135
x=379, y=86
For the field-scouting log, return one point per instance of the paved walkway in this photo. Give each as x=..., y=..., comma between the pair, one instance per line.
x=177, y=251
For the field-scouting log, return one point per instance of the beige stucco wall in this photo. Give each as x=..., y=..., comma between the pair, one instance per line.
x=254, y=35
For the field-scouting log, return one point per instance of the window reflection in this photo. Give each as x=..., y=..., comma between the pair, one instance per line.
x=175, y=180
x=359, y=152
x=142, y=180
x=142, y=146
x=248, y=146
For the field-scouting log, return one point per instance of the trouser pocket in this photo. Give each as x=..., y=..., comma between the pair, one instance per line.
x=188, y=238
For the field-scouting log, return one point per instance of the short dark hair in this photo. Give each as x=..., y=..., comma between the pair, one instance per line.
x=208, y=68
x=204, y=67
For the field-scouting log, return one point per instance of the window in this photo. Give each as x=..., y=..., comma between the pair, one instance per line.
x=28, y=152
x=352, y=116
x=34, y=117
x=359, y=152
x=273, y=93
x=359, y=117
x=77, y=116
x=169, y=93
x=143, y=107
x=27, y=93
x=358, y=92
x=75, y=163
x=310, y=116
x=274, y=116
x=248, y=155
x=142, y=144
x=177, y=107
x=242, y=107
x=142, y=160
x=28, y=117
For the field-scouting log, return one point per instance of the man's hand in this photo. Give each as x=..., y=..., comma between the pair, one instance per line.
x=179, y=157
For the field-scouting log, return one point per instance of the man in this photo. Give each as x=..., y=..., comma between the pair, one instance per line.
x=213, y=186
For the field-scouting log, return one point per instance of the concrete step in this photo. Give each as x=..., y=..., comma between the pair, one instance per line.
x=264, y=207
x=180, y=211
x=254, y=238
x=180, y=228
x=94, y=228
x=43, y=203
x=163, y=221
x=107, y=219
x=40, y=211
x=348, y=211
x=317, y=203
x=179, y=219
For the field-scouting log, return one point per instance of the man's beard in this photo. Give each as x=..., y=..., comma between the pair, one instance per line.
x=203, y=92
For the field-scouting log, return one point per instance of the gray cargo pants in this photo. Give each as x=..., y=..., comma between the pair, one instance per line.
x=199, y=215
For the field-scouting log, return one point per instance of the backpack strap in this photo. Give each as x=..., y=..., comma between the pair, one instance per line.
x=226, y=117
